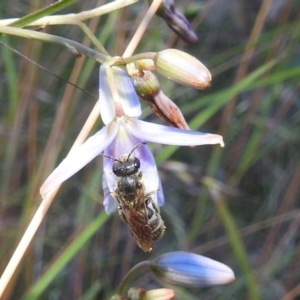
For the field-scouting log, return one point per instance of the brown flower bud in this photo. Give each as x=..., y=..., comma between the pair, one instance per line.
x=148, y=89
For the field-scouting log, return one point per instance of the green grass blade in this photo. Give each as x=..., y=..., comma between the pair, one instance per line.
x=45, y=11
x=92, y=292
x=11, y=73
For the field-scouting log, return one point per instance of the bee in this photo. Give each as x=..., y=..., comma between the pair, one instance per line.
x=136, y=207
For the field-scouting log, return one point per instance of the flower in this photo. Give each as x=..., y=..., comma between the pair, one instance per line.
x=120, y=109
x=190, y=270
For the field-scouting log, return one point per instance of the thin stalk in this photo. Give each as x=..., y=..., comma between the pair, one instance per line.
x=39, y=18
x=248, y=230
x=75, y=47
x=133, y=58
x=130, y=275
x=48, y=10
x=142, y=28
x=11, y=73
x=91, y=36
x=39, y=66
x=71, y=18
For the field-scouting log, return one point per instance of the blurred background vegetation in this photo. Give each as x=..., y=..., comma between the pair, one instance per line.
x=238, y=205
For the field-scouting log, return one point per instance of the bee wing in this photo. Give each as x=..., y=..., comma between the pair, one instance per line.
x=140, y=230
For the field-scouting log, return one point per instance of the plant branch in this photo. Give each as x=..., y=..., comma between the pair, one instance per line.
x=38, y=19
x=73, y=46
x=73, y=18
x=129, y=276
x=48, y=10
x=142, y=28
x=91, y=36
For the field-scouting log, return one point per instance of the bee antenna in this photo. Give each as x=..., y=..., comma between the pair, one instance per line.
x=108, y=156
x=135, y=147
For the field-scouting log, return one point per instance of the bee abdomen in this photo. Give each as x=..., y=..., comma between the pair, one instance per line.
x=158, y=232
x=157, y=226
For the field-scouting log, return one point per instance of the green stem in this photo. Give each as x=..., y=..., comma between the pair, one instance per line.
x=41, y=18
x=131, y=274
x=91, y=36
x=48, y=10
x=147, y=55
x=71, y=18
x=73, y=46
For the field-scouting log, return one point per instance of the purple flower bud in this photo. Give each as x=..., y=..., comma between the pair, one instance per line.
x=176, y=21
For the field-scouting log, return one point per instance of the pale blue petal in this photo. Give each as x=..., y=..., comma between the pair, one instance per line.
x=107, y=106
x=160, y=195
x=170, y=135
x=80, y=156
x=191, y=270
x=109, y=203
x=127, y=95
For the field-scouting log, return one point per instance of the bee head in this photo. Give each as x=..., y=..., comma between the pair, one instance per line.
x=126, y=168
x=126, y=165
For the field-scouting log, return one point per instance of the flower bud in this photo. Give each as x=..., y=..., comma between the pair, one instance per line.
x=116, y=297
x=159, y=294
x=146, y=85
x=136, y=293
x=190, y=270
x=148, y=89
x=182, y=68
x=176, y=21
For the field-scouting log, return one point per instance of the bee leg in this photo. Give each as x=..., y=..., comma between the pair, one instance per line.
x=149, y=199
x=139, y=175
x=115, y=196
x=121, y=214
x=148, y=196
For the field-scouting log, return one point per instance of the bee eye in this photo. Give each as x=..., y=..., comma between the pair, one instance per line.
x=116, y=168
x=137, y=163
